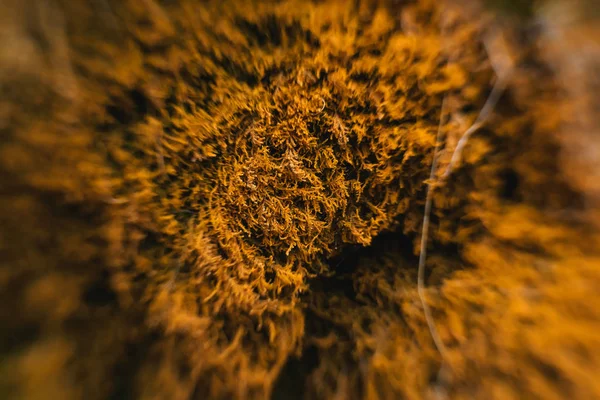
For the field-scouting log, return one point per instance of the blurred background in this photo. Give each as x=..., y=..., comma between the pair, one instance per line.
x=287, y=199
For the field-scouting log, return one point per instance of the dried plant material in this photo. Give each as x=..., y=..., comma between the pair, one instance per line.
x=224, y=199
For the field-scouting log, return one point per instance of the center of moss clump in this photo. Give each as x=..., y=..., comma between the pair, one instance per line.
x=295, y=149
x=308, y=166
x=288, y=180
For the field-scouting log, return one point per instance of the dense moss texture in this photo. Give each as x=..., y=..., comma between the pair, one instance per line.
x=224, y=199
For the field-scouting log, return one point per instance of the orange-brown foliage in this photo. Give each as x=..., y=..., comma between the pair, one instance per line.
x=224, y=199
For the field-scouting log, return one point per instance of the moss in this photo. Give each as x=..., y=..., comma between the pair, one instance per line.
x=196, y=195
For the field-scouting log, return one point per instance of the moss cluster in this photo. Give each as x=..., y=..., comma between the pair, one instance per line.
x=189, y=189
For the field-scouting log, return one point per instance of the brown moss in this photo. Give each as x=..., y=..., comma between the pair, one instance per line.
x=185, y=187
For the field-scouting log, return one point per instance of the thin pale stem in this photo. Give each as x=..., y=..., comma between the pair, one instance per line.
x=424, y=236
x=482, y=118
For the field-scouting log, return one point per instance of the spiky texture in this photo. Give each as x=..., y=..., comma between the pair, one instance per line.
x=187, y=185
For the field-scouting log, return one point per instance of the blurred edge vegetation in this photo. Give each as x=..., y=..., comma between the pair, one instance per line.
x=224, y=200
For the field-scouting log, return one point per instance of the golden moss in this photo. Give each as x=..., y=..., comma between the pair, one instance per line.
x=186, y=185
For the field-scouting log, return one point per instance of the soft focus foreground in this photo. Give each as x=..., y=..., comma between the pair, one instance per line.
x=225, y=199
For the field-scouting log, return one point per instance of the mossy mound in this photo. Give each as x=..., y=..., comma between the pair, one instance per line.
x=198, y=197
